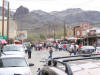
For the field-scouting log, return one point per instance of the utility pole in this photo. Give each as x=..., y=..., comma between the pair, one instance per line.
x=3, y=18
x=48, y=30
x=8, y=24
x=54, y=32
x=64, y=30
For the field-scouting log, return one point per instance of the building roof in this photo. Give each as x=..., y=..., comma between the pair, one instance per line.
x=95, y=28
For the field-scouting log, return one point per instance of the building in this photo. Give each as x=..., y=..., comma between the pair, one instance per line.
x=69, y=31
x=93, y=36
x=12, y=28
x=80, y=30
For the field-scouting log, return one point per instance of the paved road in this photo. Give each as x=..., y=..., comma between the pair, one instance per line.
x=37, y=56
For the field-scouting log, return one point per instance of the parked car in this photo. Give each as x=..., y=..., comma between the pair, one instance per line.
x=13, y=49
x=72, y=65
x=25, y=48
x=14, y=65
x=97, y=50
x=64, y=42
x=86, y=50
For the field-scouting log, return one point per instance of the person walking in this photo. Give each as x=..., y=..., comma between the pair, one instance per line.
x=75, y=50
x=50, y=52
x=65, y=47
x=70, y=50
x=29, y=52
x=60, y=47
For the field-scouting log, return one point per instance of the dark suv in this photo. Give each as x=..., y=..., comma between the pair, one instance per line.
x=72, y=65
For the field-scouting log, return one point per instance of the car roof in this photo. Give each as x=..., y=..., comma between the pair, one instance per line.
x=58, y=71
x=14, y=45
x=97, y=47
x=11, y=56
x=90, y=64
x=89, y=47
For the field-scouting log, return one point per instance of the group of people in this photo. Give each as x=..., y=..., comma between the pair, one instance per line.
x=74, y=49
x=55, y=45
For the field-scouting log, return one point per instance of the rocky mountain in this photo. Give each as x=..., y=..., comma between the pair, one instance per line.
x=39, y=20
x=21, y=12
x=6, y=12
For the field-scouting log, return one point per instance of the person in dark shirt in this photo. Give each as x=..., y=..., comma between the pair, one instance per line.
x=29, y=51
x=50, y=52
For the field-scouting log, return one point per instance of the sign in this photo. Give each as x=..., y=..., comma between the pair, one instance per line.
x=92, y=33
x=3, y=37
x=85, y=26
x=21, y=35
x=98, y=40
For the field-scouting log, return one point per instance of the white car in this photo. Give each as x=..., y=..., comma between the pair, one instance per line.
x=97, y=50
x=86, y=50
x=14, y=65
x=14, y=49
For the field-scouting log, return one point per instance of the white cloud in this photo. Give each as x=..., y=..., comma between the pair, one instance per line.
x=56, y=5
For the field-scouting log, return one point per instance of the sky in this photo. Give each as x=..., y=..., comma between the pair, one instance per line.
x=55, y=5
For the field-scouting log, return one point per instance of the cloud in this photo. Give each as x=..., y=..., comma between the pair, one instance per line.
x=56, y=5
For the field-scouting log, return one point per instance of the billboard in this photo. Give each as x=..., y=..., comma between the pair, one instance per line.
x=92, y=33
x=85, y=26
x=21, y=35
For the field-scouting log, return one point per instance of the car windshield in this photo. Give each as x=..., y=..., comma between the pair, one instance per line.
x=87, y=47
x=64, y=42
x=13, y=62
x=98, y=48
x=12, y=48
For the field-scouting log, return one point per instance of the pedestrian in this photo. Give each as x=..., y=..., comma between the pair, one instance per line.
x=79, y=47
x=65, y=47
x=29, y=51
x=60, y=47
x=70, y=50
x=50, y=52
x=75, y=50
x=57, y=46
x=40, y=45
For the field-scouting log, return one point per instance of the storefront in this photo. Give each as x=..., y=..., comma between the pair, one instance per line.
x=93, y=37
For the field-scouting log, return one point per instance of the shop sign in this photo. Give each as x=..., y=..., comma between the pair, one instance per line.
x=21, y=35
x=3, y=37
x=92, y=33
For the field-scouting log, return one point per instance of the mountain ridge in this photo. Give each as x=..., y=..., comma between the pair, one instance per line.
x=39, y=21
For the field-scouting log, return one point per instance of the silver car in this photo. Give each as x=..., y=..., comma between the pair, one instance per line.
x=86, y=50
x=13, y=49
x=14, y=65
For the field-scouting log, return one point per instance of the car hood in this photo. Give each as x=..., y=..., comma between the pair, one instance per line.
x=15, y=70
x=86, y=69
x=14, y=53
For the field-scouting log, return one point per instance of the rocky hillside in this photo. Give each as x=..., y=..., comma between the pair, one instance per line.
x=39, y=20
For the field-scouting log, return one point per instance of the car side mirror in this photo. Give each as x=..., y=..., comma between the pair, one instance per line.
x=31, y=64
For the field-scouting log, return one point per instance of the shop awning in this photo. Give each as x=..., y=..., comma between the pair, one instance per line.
x=73, y=38
x=3, y=41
